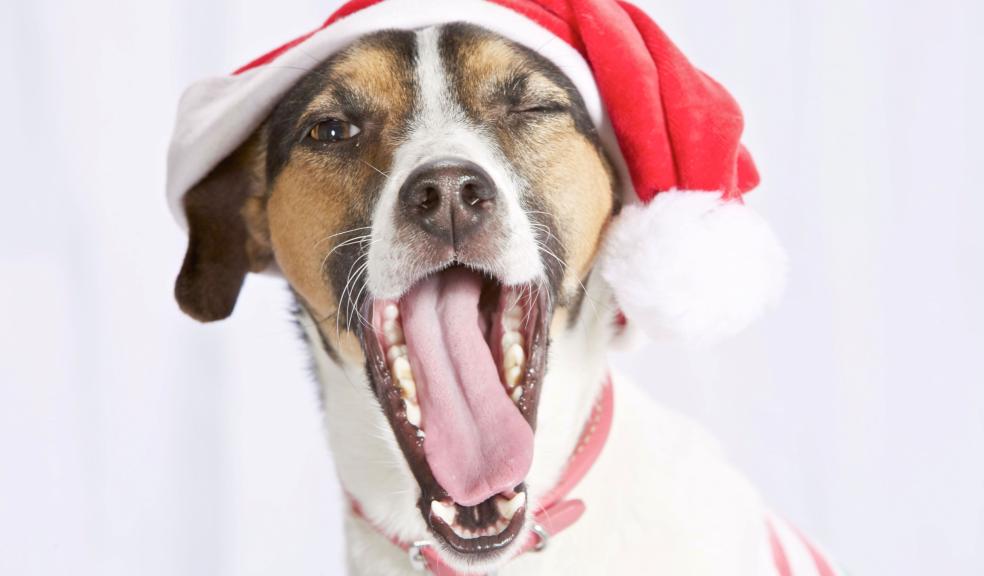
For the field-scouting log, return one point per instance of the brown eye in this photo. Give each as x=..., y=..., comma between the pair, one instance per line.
x=333, y=130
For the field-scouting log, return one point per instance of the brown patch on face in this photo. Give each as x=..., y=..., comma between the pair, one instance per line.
x=573, y=179
x=322, y=194
x=544, y=131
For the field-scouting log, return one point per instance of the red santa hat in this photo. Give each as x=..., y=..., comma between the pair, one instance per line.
x=684, y=257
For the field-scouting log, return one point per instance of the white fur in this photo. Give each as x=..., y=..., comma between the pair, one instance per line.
x=441, y=130
x=690, y=264
x=660, y=499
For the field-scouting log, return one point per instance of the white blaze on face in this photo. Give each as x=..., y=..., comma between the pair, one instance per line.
x=442, y=130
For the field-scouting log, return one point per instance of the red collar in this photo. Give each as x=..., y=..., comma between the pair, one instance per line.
x=554, y=514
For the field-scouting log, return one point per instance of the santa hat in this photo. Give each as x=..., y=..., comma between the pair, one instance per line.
x=684, y=257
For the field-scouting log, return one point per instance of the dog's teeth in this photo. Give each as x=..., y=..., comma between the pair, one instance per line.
x=510, y=338
x=393, y=333
x=396, y=352
x=401, y=368
x=508, y=506
x=408, y=387
x=391, y=312
x=514, y=356
x=413, y=412
x=446, y=512
x=517, y=393
x=512, y=376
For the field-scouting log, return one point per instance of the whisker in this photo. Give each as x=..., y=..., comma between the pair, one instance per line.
x=584, y=289
x=385, y=175
x=349, y=242
x=349, y=231
x=354, y=304
x=348, y=282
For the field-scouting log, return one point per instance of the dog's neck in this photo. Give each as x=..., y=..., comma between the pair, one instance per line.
x=372, y=469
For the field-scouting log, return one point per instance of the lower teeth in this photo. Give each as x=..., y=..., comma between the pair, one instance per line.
x=513, y=352
x=507, y=508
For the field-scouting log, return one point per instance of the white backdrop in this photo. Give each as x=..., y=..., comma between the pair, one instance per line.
x=133, y=441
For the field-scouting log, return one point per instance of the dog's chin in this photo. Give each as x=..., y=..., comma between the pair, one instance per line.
x=457, y=365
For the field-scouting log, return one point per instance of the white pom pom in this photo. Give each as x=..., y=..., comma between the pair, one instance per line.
x=692, y=265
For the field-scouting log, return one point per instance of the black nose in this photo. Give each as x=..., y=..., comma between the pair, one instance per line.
x=450, y=199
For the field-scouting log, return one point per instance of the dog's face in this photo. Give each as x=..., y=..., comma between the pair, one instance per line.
x=435, y=200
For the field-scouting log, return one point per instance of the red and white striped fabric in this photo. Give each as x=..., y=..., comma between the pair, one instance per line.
x=793, y=554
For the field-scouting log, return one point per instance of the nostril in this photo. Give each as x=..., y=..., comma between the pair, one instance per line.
x=469, y=195
x=429, y=198
x=475, y=193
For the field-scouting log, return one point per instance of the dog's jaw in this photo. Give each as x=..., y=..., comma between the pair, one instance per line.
x=370, y=465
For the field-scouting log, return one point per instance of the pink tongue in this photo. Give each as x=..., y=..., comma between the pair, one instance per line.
x=477, y=442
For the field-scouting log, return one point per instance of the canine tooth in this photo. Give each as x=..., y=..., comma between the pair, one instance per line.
x=517, y=393
x=514, y=356
x=408, y=387
x=401, y=368
x=391, y=312
x=396, y=352
x=413, y=412
x=512, y=376
x=445, y=512
x=508, y=507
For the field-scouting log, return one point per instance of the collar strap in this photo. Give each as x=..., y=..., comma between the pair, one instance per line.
x=554, y=512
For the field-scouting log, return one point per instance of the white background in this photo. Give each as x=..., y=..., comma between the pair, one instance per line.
x=134, y=441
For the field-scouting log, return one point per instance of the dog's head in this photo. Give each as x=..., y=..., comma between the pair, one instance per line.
x=436, y=200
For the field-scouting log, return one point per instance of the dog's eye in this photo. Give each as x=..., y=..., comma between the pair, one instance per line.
x=544, y=108
x=333, y=130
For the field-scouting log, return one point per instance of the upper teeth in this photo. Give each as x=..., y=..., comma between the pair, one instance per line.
x=401, y=367
x=413, y=412
x=513, y=355
x=513, y=352
x=391, y=312
x=512, y=376
x=400, y=363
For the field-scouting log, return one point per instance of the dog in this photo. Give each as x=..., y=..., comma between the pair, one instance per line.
x=436, y=200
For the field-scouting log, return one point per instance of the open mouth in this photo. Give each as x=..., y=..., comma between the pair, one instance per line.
x=457, y=364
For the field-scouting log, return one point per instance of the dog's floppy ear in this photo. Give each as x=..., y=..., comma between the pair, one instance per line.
x=227, y=236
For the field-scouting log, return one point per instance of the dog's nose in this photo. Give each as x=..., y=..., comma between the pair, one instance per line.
x=449, y=198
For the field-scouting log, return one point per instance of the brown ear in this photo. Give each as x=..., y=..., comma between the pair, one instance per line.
x=223, y=241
